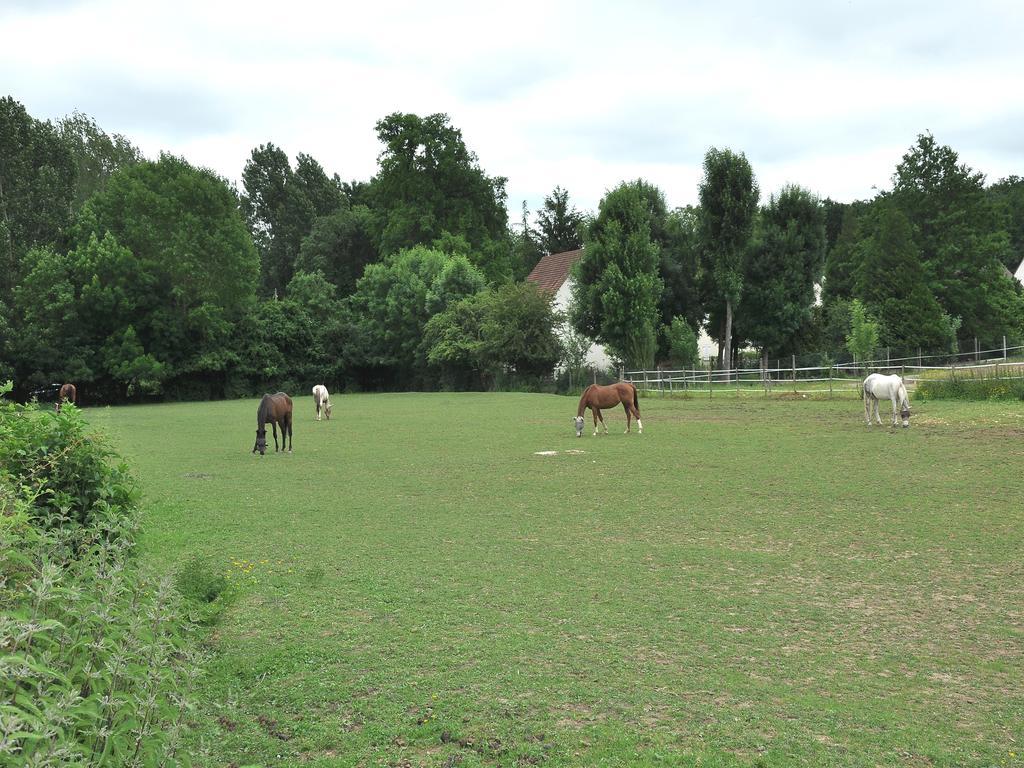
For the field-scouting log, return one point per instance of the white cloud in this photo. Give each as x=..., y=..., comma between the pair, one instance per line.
x=581, y=95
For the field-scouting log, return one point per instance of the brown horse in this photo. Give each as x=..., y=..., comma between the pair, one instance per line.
x=67, y=392
x=277, y=409
x=596, y=396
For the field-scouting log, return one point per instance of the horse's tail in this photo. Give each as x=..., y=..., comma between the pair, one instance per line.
x=636, y=401
x=583, y=400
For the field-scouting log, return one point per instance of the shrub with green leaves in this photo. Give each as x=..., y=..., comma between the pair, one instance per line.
x=957, y=388
x=93, y=651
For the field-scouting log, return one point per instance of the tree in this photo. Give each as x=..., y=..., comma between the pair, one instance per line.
x=862, y=340
x=526, y=246
x=728, y=201
x=509, y=330
x=961, y=239
x=891, y=282
x=559, y=225
x=191, y=268
x=681, y=341
x=617, y=288
x=37, y=176
x=392, y=303
x=783, y=264
x=681, y=269
x=340, y=245
x=281, y=205
x=97, y=156
x=1007, y=196
x=429, y=183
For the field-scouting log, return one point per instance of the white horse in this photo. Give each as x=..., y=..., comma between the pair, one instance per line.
x=877, y=387
x=322, y=398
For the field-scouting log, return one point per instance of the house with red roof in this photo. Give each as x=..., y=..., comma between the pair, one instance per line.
x=553, y=275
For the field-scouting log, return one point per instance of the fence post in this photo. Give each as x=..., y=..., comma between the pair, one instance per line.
x=887, y=361
x=794, y=374
x=977, y=350
x=830, y=382
x=594, y=371
x=710, y=390
x=1004, y=347
x=918, y=357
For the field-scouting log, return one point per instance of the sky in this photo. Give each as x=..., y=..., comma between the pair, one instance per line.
x=828, y=95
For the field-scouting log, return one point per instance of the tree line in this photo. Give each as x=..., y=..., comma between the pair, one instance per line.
x=136, y=277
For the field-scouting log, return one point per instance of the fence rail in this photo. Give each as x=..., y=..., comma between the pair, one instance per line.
x=833, y=379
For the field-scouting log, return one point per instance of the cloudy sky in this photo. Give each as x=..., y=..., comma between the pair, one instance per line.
x=583, y=95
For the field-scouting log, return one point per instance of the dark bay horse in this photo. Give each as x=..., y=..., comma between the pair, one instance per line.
x=277, y=409
x=596, y=396
x=67, y=392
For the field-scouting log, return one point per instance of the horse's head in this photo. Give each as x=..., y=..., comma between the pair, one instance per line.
x=327, y=409
x=578, y=423
x=261, y=441
x=905, y=413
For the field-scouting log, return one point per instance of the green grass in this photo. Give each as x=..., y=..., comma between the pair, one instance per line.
x=750, y=582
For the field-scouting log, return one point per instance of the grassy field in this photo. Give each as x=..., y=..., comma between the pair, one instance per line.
x=750, y=582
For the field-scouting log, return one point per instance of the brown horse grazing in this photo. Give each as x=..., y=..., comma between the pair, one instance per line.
x=277, y=409
x=67, y=392
x=596, y=396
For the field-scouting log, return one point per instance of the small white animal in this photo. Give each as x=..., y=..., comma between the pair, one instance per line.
x=322, y=398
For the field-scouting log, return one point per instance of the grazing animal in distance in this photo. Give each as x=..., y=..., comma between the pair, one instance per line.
x=598, y=396
x=878, y=387
x=69, y=393
x=322, y=399
x=277, y=409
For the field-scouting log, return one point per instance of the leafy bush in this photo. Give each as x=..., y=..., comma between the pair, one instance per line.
x=95, y=659
x=971, y=389
x=72, y=475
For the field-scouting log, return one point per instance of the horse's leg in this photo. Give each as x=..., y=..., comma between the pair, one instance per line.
x=894, y=408
x=629, y=412
x=867, y=409
x=601, y=418
x=273, y=426
x=595, y=414
x=289, y=433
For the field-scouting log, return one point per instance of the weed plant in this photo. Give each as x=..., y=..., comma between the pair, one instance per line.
x=94, y=658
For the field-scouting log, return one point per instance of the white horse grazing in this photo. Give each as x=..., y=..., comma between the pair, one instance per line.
x=323, y=401
x=877, y=387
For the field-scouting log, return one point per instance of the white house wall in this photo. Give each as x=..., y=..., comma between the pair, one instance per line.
x=597, y=356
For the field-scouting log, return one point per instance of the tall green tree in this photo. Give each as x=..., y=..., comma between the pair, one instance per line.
x=281, y=206
x=961, y=239
x=340, y=246
x=525, y=245
x=618, y=287
x=430, y=183
x=559, y=224
x=1007, y=196
x=682, y=271
x=783, y=265
x=37, y=177
x=728, y=202
x=97, y=155
x=194, y=265
x=892, y=284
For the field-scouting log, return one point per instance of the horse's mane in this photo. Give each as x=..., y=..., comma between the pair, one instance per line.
x=261, y=413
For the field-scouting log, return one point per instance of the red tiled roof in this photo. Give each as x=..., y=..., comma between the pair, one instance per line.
x=553, y=270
